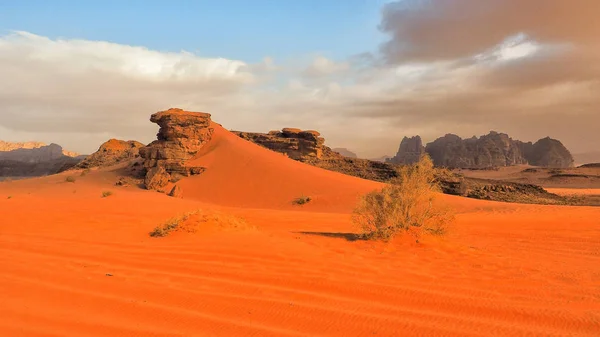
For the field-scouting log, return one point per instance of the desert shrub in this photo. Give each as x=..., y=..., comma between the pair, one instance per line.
x=171, y=225
x=106, y=194
x=408, y=203
x=70, y=179
x=85, y=172
x=9, y=197
x=302, y=200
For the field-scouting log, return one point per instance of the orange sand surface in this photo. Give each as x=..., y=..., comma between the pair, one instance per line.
x=76, y=264
x=574, y=191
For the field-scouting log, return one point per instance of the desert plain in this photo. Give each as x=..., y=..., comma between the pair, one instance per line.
x=77, y=261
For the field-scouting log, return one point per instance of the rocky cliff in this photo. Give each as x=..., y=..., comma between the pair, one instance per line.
x=31, y=159
x=410, y=151
x=492, y=150
x=181, y=135
x=111, y=153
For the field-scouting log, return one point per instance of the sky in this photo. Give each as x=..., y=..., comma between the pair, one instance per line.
x=365, y=73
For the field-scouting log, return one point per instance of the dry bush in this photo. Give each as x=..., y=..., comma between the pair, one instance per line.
x=194, y=221
x=106, y=194
x=70, y=179
x=302, y=200
x=408, y=203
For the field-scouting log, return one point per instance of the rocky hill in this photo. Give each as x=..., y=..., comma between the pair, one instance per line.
x=111, y=153
x=488, y=151
x=31, y=159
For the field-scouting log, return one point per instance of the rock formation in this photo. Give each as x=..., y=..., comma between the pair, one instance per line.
x=111, y=153
x=345, y=152
x=182, y=134
x=496, y=150
x=547, y=152
x=492, y=150
x=410, y=151
x=33, y=159
x=308, y=147
x=295, y=143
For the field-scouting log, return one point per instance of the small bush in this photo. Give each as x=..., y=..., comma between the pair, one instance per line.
x=170, y=225
x=9, y=197
x=407, y=203
x=85, y=172
x=302, y=200
x=70, y=179
x=106, y=194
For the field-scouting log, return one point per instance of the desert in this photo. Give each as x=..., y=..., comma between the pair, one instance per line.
x=306, y=168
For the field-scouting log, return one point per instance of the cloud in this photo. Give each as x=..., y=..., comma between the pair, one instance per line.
x=449, y=66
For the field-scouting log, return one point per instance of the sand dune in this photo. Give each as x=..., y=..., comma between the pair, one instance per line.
x=76, y=264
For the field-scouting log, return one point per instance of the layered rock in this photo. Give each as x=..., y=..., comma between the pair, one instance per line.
x=111, y=153
x=308, y=147
x=295, y=143
x=181, y=135
x=410, y=151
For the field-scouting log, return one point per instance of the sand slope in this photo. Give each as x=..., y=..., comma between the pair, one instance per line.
x=76, y=264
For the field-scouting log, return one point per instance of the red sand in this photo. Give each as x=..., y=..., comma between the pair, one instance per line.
x=505, y=269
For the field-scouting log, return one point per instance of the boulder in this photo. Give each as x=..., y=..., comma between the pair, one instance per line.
x=157, y=178
x=176, y=192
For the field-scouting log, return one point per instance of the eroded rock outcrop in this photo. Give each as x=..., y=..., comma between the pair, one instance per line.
x=295, y=143
x=309, y=147
x=410, y=151
x=492, y=150
x=547, y=152
x=111, y=153
x=182, y=134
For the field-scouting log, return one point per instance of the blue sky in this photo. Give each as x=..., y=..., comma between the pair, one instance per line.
x=234, y=29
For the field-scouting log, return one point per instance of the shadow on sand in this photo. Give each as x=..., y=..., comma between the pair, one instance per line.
x=346, y=236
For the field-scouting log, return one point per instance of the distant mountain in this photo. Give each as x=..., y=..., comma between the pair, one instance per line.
x=492, y=150
x=30, y=159
x=382, y=159
x=345, y=152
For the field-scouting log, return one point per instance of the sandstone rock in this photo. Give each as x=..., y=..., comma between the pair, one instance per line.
x=295, y=143
x=157, y=178
x=547, y=152
x=181, y=135
x=176, y=192
x=410, y=151
x=112, y=152
x=492, y=150
x=308, y=147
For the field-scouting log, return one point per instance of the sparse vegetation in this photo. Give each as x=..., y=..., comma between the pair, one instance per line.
x=171, y=225
x=9, y=197
x=70, y=179
x=408, y=203
x=302, y=200
x=85, y=172
x=106, y=194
